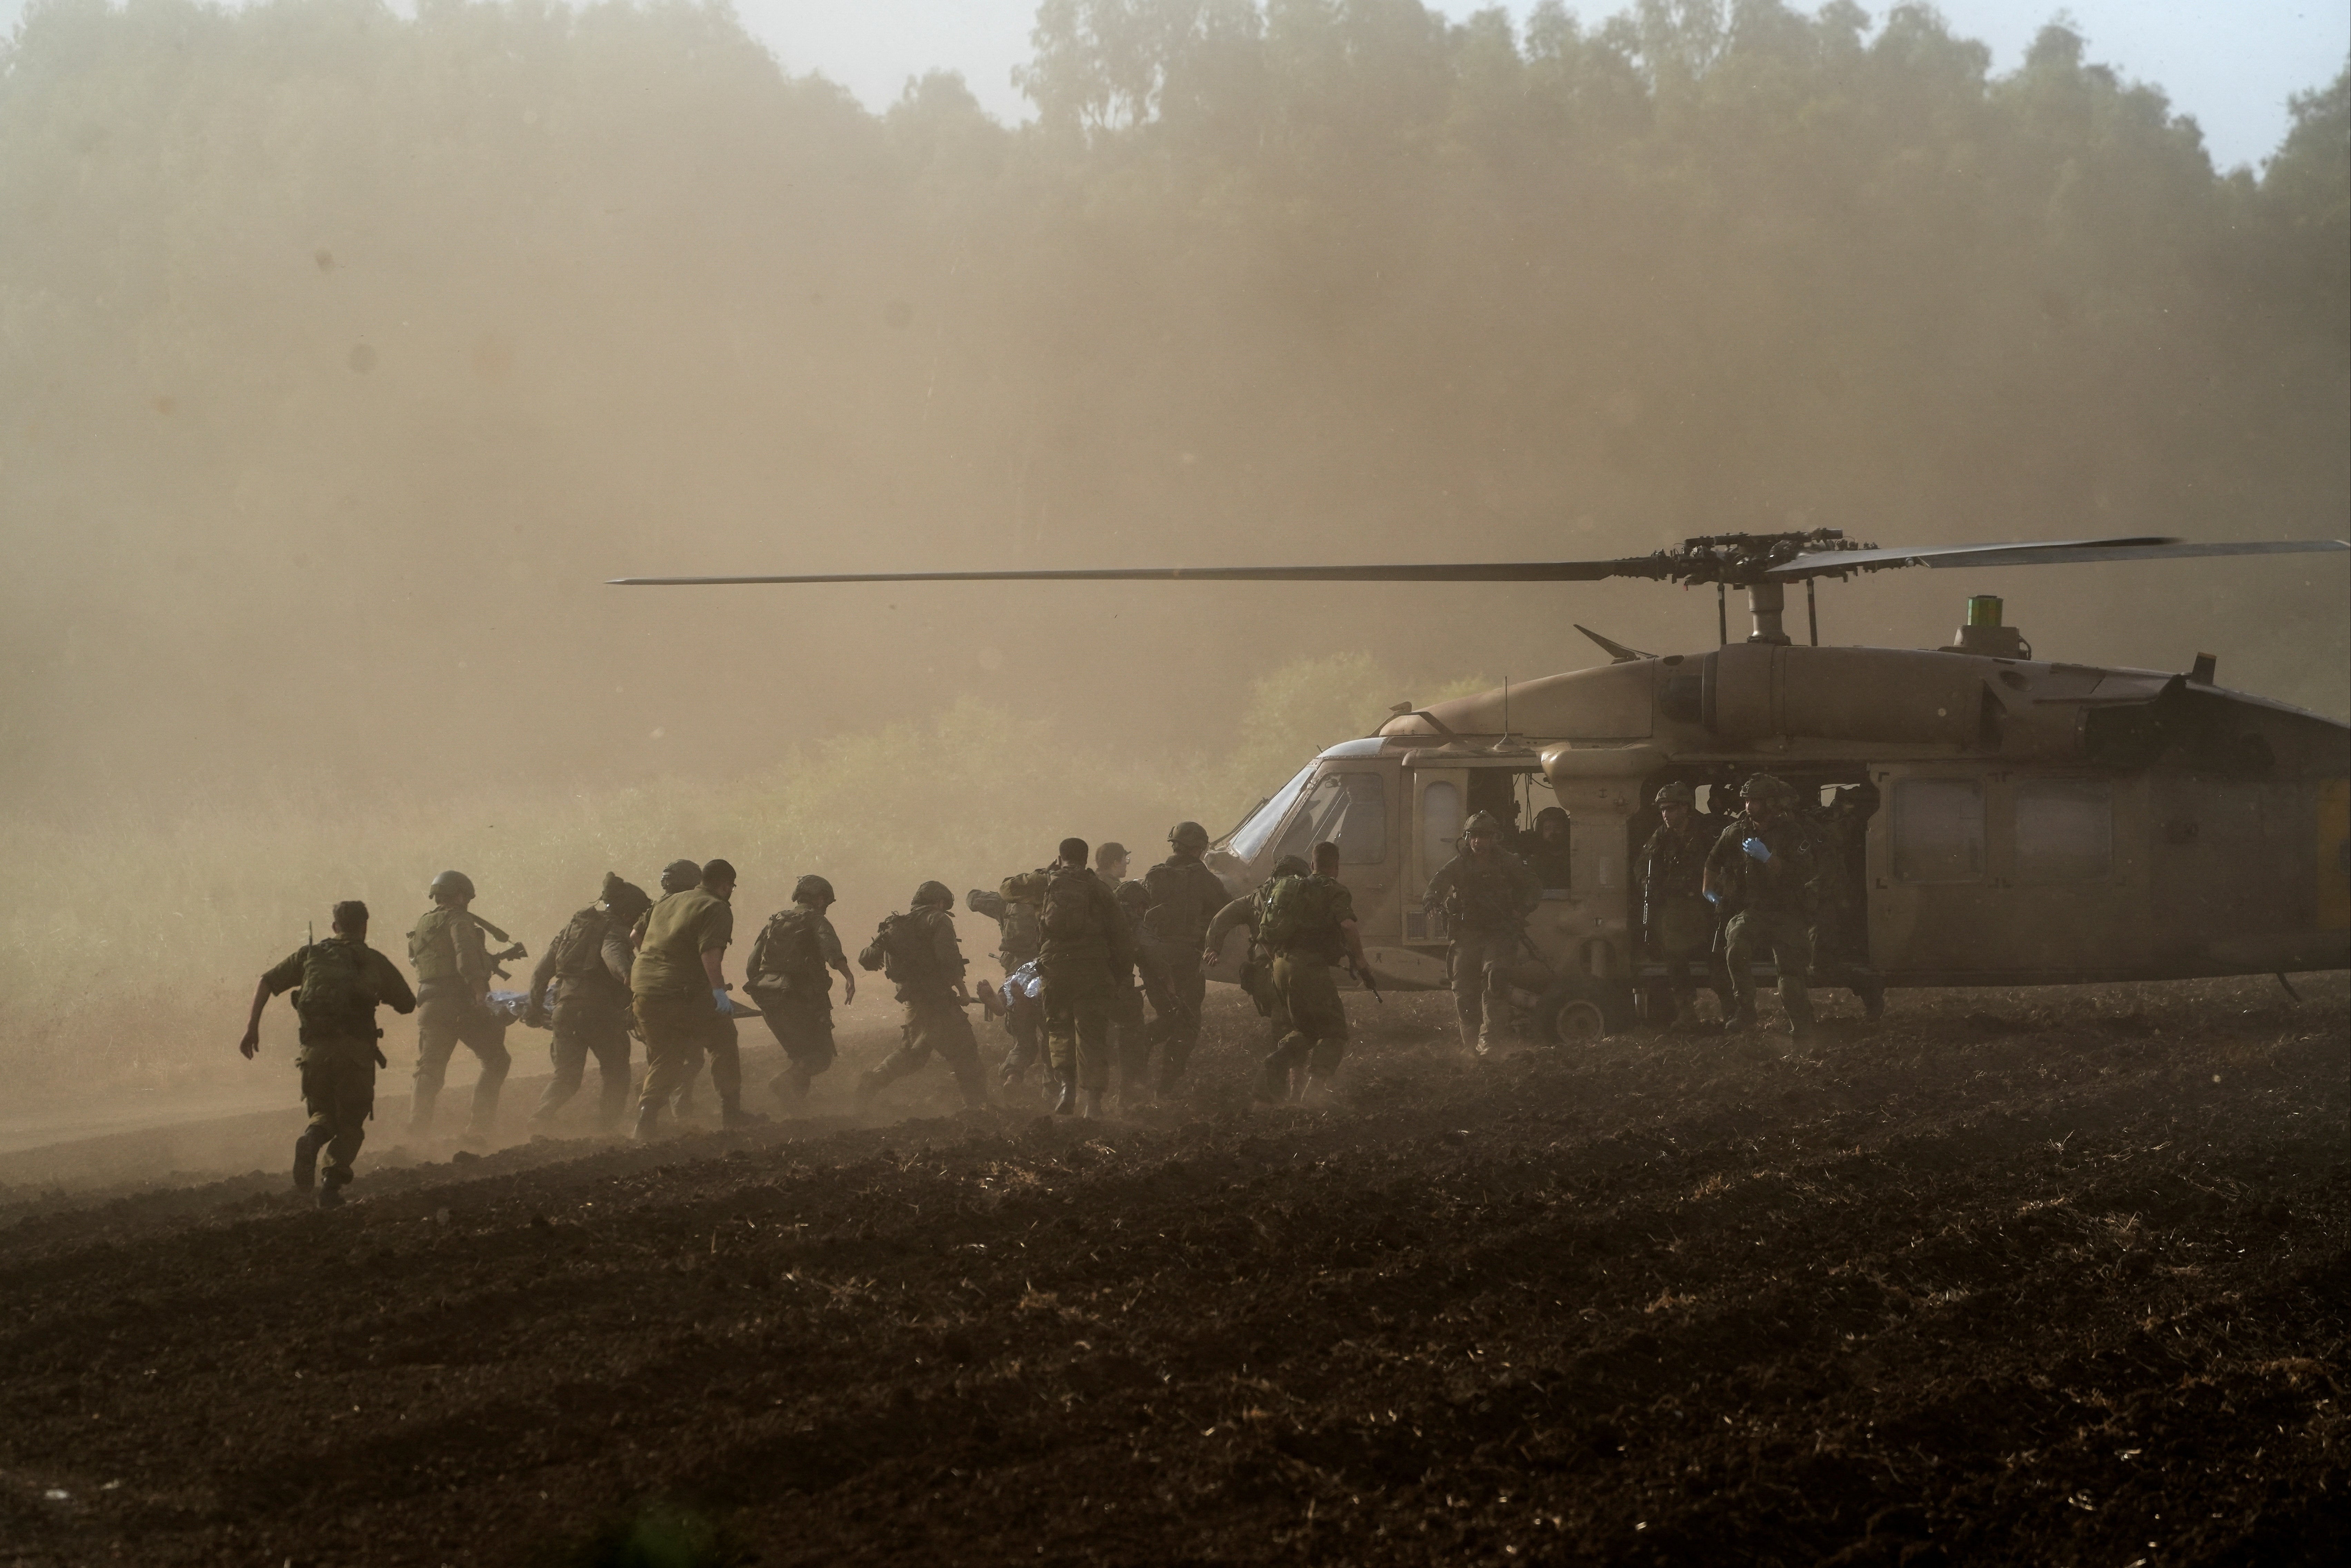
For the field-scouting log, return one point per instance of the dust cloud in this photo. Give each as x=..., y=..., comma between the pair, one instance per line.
x=344, y=355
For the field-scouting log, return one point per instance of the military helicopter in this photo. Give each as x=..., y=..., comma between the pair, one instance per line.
x=2038, y=822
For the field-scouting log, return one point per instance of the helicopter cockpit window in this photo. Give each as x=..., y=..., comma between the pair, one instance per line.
x=1350, y=810
x=2064, y=829
x=1938, y=829
x=1251, y=835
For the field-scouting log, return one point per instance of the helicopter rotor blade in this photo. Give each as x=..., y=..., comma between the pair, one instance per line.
x=1427, y=571
x=2052, y=552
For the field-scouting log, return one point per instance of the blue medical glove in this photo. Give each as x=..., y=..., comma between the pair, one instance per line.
x=1758, y=850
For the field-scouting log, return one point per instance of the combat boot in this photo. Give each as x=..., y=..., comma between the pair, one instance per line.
x=306, y=1159
x=733, y=1118
x=1066, y=1101
x=1090, y=1105
x=330, y=1195
x=1741, y=1019
x=648, y=1124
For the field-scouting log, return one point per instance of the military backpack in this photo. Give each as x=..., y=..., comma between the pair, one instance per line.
x=338, y=996
x=785, y=957
x=1298, y=915
x=902, y=949
x=579, y=951
x=1069, y=915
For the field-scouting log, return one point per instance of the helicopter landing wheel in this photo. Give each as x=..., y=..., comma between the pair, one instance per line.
x=1579, y=1022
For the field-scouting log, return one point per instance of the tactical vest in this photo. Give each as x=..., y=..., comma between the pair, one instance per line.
x=785, y=950
x=432, y=947
x=578, y=952
x=1069, y=915
x=1301, y=918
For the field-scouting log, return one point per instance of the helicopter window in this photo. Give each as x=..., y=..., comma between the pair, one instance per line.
x=1440, y=822
x=1251, y=835
x=1350, y=810
x=1938, y=829
x=2064, y=829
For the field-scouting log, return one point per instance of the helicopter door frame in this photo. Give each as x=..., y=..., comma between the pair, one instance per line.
x=1422, y=860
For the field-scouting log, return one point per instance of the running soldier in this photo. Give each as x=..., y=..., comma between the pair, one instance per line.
x=1257, y=968
x=1130, y=1036
x=1840, y=923
x=787, y=979
x=343, y=981
x=1309, y=927
x=1487, y=892
x=1763, y=870
x=1185, y=897
x=1088, y=958
x=453, y=969
x=679, y=983
x=1018, y=941
x=586, y=969
x=1677, y=921
x=917, y=953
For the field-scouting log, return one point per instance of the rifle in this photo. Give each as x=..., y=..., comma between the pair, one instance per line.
x=1364, y=974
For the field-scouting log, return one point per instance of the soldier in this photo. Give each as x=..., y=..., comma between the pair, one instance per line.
x=587, y=965
x=453, y=968
x=1309, y=927
x=1185, y=897
x=1546, y=850
x=1088, y=958
x=1762, y=870
x=1677, y=920
x=1256, y=969
x=1841, y=924
x=679, y=984
x=1487, y=892
x=1110, y=860
x=343, y=981
x=1018, y=940
x=917, y=953
x=786, y=977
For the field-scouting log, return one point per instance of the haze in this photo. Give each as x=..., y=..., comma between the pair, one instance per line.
x=346, y=355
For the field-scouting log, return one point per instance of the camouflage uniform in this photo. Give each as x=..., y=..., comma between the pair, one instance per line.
x=1256, y=972
x=1185, y=897
x=1671, y=875
x=1549, y=859
x=918, y=952
x=1084, y=968
x=1772, y=904
x=451, y=960
x=339, y=1055
x=790, y=978
x=1485, y=905
x=677, y=1015
x=1130, y=1037
x=1018, y=940
x=587, y=965
x=1306, y=976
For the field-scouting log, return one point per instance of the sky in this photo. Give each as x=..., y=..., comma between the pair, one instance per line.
x=2231, y=65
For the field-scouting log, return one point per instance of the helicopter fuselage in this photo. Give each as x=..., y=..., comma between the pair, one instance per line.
x=2036, y=822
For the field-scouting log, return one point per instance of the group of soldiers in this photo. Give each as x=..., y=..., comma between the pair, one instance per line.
x=1084, y=951
x=1102, y=973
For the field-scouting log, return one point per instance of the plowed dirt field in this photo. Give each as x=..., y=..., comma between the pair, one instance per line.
x=2030, y=1278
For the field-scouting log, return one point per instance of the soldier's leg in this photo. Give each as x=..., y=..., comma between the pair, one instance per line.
x=914, y=1050
x=1791, y=949
x=354, y=1102
x=1061, y=1029
x=1293, y=1045
x=672, y=1051
x=1131, y=1044
x=1026, y=1024
x=485, y=1036
x=951, y=1036
x=567, y=1053
x=725, y=1052
x=1466, y=962
x=1187, y=989
x=1497, y=952
x=1320, y=1014
x=1089, y=1024
x=1742, y=939
x=608, y=1041
x=438, y=1019
x=318, y=1100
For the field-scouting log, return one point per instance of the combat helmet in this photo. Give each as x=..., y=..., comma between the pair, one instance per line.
x=1189, y=836
x=1133, y=896
x=933, y=895
x=452, y=884
x=624, y=898
x=812, y=889
x=679, y=875
x=1675, y=794
x=1482, y=822
x=1764, y=787
x=1292, y=865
